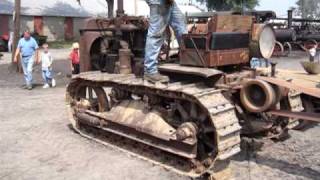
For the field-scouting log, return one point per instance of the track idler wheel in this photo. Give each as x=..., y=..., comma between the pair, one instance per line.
x=258, y=96
x=187, y=130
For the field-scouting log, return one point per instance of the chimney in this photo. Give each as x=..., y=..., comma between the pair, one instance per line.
x=120, y=10
x=289, y=19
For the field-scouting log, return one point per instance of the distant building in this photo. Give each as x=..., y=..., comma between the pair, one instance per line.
x=57, y=19
x=62, y=19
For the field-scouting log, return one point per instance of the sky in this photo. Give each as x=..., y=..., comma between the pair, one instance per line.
x=279, y=6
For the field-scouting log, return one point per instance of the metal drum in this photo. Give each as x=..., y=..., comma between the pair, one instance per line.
x=286, y=35
x=263, y=41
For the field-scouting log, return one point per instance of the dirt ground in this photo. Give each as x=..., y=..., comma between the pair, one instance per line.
x=37, y=143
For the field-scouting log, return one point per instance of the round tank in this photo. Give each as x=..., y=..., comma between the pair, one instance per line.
x=263, y=41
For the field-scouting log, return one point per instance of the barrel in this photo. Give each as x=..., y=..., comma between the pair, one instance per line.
x=285, y=35
x=262, y=41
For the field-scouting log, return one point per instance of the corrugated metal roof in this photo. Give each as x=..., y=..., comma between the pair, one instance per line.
x=69, y=8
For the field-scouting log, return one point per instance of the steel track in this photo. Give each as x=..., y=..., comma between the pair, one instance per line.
x=220, y=110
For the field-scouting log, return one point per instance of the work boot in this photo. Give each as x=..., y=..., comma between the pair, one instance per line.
x=156, y=77
x=29, y=87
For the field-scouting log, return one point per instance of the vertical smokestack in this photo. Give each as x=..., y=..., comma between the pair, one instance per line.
x=110, y=8
x=289, y=19
x=120, y=10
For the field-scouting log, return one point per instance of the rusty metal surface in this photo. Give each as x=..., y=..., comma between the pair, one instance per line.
x=299, y=115
x=102, y=32
x=214, y=58
x=204, y=72
x=184, y=149
x=283, y=83
x=222, y=115
x=230, y=23
x=188, y=121
x=125, y=61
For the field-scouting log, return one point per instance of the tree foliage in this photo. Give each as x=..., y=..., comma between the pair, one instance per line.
x=226, y=5
x=308, y=8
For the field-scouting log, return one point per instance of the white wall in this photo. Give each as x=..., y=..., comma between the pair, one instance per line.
x=53, y=27
x=26, y=23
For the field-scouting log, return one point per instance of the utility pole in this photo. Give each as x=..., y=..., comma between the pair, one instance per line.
x=110, y=8
x=16, y=29
x=136, y=7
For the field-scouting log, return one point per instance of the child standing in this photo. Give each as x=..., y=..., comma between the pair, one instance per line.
x=47, y=60
x=75, y=58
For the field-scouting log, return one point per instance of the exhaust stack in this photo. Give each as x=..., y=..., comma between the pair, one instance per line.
x=120, y=10
x=289, y=19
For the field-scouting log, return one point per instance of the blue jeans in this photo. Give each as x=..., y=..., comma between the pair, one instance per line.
x=47, y=75
x=27, y=67
x=160, y=18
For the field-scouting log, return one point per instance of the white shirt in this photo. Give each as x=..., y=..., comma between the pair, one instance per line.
x=313, y=52
x=46, y=60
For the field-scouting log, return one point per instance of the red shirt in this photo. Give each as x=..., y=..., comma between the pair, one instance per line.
x=74, y=56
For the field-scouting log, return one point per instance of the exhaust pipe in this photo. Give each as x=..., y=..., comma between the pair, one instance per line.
x=120, y=10
x=258, y=96
x=289, y=19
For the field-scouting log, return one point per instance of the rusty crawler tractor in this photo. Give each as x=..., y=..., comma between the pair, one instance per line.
x=193, y=122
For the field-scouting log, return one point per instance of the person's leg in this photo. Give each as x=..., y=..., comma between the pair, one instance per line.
x=44, y=76
x=51, y=80
x=177, y=22
x=9, y=46
x=77, y=68
x=157, y=25
x=49, y=76
x=29, y=71
x=24, y=64
x=74, y=69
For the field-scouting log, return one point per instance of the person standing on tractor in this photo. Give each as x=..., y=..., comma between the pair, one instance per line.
x=162, y=14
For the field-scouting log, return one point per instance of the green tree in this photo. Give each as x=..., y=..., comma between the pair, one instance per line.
x=227, y=5
x=308, y=8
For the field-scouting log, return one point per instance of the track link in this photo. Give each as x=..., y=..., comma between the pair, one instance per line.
x=295, y=104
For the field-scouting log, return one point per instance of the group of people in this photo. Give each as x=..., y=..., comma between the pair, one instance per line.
x=29, y=53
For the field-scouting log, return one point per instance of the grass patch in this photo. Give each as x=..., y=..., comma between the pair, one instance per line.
x=60, y=44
